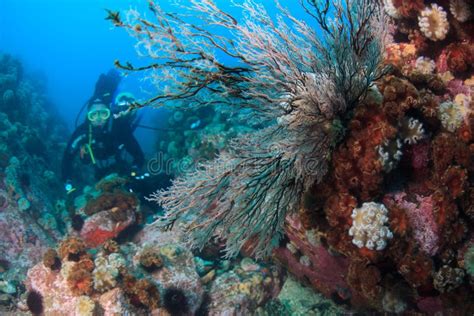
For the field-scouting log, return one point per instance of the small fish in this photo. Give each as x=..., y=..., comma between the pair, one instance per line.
x=195, y=124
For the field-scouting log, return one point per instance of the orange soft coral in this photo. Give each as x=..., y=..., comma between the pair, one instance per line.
x=409, y=8
x=80, y=282
x=465, y=132
x=142, y=293
x=338, y=209
x=356, y=163
x=398, y=218
x=399, y=54
x=364, y=280
x=399, y=96
x=71, y=248
x=418, y=40
x=428, y=104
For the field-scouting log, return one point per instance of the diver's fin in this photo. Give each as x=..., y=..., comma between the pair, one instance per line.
x=106, y=86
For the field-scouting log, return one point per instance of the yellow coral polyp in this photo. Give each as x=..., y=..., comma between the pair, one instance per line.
x=464, y=102
x=425, y=65
x=106, y=271
x=85, y=306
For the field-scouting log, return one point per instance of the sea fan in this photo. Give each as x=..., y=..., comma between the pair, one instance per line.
x=299, y=79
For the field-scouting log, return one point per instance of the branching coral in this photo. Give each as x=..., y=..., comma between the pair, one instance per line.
x=299, y=80
x=434, y=23
x=368, y=226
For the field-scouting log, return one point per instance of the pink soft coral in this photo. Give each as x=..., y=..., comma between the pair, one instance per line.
x=422, y=222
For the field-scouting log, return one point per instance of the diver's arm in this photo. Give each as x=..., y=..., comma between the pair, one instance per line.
x=133, y=148
x=70, y=152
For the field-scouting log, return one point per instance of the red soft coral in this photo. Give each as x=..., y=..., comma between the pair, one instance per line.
x=455, y=180
x=356, y=163
x=416, y=267
x=459, y=57
x=339, y=208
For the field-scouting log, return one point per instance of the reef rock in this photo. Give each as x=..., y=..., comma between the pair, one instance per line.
x=244, y=289
x=179, y=270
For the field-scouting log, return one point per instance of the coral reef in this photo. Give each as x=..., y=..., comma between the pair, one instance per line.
x=105, y=211
x=32, y=136
x=411, y=151
x=357, y=181
x=243, y=289
x=119, y=282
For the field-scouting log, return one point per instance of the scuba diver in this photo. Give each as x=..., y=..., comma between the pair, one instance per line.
x=105, y=140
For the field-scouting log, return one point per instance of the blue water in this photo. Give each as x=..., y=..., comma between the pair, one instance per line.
x=68, y=44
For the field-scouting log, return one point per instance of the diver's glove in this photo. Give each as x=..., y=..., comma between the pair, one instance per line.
x=69, y=187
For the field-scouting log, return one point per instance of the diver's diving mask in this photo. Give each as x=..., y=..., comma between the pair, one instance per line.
x=95, y=115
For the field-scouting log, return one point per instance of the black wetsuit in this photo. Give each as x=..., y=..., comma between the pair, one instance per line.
x=108, y=144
